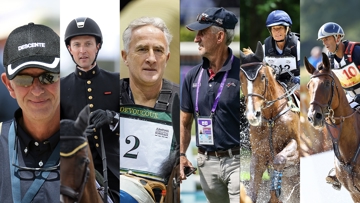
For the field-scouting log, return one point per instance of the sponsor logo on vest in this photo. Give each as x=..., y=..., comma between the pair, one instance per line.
x=139, y=112
x=159, y=132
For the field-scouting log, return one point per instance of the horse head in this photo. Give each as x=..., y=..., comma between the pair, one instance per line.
x=255, y=77
x=323, y=89
x=74, y=170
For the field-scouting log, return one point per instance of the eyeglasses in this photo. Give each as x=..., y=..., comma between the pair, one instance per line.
x=45, y=79
x=205, y=18
x=25, y=168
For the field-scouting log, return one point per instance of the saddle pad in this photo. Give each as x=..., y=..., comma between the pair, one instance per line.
x=129, y=186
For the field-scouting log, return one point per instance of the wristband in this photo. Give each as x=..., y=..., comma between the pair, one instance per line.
x=183, y=154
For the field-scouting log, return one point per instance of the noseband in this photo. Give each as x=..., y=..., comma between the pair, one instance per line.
x=262, y=96
x=75, y=194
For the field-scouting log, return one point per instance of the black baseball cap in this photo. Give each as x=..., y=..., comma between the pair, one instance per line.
x=214, y=16
x=31, y=46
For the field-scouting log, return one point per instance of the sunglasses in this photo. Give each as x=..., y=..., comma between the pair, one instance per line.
x=205, y=18
x=45, y=79
x=25, y=168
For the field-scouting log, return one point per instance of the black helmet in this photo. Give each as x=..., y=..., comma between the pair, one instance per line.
x=83, y=26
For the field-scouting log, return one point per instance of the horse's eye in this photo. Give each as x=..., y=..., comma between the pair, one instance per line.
x=263, y=76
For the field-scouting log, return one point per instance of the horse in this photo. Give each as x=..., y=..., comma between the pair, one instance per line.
x=329, y=108
x=244, y=198
x=269, y=112
x=77, y=172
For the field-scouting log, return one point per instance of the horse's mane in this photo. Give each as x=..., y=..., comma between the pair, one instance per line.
x=168, y=164
x=247, y=51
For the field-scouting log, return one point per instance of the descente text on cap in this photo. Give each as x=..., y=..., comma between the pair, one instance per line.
x=31, y=46
x=214, y=16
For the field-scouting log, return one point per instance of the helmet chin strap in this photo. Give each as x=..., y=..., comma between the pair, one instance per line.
x=337, y=45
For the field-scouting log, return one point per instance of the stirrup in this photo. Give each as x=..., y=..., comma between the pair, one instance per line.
x=332, y=179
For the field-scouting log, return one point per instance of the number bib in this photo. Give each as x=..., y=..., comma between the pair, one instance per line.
x=348, y=75
x=285, y=63
x=145, y=140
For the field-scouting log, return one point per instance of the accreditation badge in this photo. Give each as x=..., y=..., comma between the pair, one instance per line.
x=205, y=131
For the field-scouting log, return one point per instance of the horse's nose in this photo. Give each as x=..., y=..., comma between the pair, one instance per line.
x=310, y=119
x=318, y=116
x=257, y=114
x=315, y=118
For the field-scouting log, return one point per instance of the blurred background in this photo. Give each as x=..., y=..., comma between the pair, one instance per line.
x=106, y=15
x=254, y=14
x=14, y=14
x=170, y=9
x=317, y=154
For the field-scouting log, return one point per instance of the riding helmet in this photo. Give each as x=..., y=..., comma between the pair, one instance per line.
x=330, y=29
x=278, y=17
x=83, y=26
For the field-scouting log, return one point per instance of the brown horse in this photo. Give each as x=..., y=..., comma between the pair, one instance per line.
x=329, y=107
x=274, y=130
x=77, y=172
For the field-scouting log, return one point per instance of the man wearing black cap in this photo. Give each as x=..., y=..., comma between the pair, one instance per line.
x=93, y=86
x=29, y=149
x=210, y=94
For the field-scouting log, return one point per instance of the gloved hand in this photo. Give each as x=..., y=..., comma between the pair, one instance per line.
x=100, y=117
x=295, y=79
x=357, y=98
x=90, y=130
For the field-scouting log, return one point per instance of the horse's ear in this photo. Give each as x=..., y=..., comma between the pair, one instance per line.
x=242, y=57
x=326, y=61
x=82, y=120
x=259, y=53
x=310, y=68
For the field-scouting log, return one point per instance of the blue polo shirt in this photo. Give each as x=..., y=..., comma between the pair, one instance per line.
x=226, y=119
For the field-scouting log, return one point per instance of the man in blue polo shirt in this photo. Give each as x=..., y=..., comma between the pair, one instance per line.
x=210, y=94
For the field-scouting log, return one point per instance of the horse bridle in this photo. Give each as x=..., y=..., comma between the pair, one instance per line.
x=330, y=114
x=326, y=108
x=267, y=103
x=75, y=194
x=262, y=96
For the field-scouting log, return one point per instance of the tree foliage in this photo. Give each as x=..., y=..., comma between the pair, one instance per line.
x=253, y=15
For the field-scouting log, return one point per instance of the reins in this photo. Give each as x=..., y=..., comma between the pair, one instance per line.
x=332, y=119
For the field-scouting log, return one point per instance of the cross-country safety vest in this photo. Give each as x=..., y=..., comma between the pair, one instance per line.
x=348, y=74
x=287, y=60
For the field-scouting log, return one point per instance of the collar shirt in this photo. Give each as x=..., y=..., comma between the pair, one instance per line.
x=226, y=120
x=29, y=154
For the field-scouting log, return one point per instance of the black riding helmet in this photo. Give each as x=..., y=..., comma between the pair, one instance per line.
x=83, y=26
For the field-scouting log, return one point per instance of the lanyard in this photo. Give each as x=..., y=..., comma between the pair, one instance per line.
x=38, y=182
x=217, y=98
